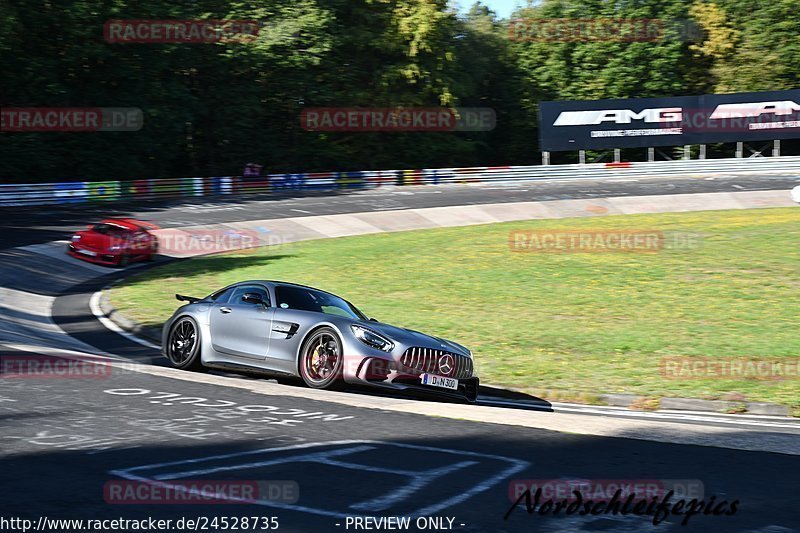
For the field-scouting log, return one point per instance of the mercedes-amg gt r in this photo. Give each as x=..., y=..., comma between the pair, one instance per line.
x=292, y=331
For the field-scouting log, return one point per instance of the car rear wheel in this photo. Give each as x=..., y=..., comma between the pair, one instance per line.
x=183, y=348
x=153, y=251
x=321, y=360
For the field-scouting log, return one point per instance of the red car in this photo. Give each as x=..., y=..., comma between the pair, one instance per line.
x=115, y=242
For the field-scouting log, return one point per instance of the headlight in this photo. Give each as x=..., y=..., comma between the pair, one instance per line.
x=115, y=248
x=76, y=238
x=370, y=338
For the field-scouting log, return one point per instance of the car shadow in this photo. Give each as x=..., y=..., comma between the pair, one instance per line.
x=487, y=396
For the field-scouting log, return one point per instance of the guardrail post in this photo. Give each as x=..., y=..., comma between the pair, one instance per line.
x=702, y=151
x=545, y=158
x=616, y=155
x=740, y=150
x=651, y=154
x=687, y=152
x=776, y=148
x=582, y=157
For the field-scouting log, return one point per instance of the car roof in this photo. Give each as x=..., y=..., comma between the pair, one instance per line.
x=277, y=282
x=130, y=223
x=127, y=224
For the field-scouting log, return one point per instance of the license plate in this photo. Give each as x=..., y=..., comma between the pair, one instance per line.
x=87, y=252
x=439, y=381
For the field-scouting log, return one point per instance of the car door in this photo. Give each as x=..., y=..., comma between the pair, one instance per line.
x=242, y=329
x=295, y=314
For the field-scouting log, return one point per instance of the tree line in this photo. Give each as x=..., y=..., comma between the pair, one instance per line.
x=210, y=108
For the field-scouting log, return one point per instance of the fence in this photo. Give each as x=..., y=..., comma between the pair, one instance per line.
x=72, y=192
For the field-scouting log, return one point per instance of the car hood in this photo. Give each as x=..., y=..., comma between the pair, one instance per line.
x=415, y=338
x=98, y=241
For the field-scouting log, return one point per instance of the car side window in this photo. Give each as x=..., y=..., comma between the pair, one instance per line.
x=238, y=292
x=296, y=298
x=221, y=297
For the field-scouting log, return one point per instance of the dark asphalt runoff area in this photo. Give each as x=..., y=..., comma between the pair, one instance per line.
x=97, y=445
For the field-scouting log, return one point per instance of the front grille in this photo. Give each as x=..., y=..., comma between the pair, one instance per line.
x=427, y=360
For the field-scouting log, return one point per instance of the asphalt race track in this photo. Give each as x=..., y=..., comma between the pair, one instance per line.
x=316, y=460
x=26, y=225
x=65, y=439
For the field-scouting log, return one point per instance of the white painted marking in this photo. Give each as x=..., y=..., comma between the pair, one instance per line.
x=418, y=481
x=303, y=211
x=380, y=503
x=57, y=250
x=622, y=412
x=61, y=352
x=321, y=457
x=94, y=305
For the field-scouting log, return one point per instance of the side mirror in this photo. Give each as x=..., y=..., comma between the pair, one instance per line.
x=90, y=227
x=252, y=298
x=374, y=320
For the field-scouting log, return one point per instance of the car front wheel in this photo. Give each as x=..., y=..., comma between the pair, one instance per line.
x=321, y=360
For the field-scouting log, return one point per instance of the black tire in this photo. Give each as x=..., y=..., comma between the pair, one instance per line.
x=183, y=345
x=153, y=251
x=124, y=260
x=321, y=360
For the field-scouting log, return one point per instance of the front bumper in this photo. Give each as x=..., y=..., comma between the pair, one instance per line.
x=378, y=372
x=100, y=258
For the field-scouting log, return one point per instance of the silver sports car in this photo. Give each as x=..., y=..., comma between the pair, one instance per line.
x=289, y=331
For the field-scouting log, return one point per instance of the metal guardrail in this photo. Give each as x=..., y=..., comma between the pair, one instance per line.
x=158, y=189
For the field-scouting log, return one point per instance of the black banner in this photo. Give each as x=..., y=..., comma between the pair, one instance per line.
x=676, y=121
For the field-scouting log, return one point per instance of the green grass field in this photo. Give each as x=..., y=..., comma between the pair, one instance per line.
x=561, y=325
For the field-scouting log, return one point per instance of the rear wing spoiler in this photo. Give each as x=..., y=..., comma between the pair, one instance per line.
x=190, y=299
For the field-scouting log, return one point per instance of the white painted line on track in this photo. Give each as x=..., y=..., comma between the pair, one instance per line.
x=418, y=478
x=94, y=306
x=622, y=412
x=61, y=352
x=56, y=250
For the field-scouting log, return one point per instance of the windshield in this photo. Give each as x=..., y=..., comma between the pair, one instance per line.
x=109, y=229
x=305, y=299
